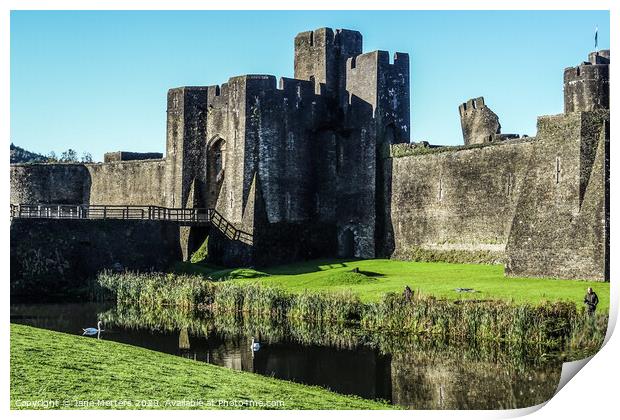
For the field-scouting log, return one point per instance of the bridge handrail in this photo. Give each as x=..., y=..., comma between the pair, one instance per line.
x=131, y=212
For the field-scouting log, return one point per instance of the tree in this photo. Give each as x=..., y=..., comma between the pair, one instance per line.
x=69, y=155
x=51, y=157
x=87, y=158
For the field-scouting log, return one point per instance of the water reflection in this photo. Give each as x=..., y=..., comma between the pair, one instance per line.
x=409, y=371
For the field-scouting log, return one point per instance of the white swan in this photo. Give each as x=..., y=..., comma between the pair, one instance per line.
x=91, y=330
x=255, y=345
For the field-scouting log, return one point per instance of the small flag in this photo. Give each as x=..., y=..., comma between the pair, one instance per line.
x=596, y=39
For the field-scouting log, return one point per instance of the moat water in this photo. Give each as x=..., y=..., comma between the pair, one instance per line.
x=444, y=377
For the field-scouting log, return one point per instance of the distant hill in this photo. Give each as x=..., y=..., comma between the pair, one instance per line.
x=19, y=155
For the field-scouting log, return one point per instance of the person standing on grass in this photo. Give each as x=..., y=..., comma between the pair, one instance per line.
x=591, y=299
x=408, y=294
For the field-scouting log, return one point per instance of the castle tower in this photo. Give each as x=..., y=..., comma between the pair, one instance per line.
x=185, y=133
x=478, y=122
x=377, y=93
x=321, y=56
x=586, y=86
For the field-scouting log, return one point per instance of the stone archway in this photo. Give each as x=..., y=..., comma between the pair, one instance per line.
x=216, y=164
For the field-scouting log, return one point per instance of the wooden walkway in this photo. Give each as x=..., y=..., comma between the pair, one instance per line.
x=182, y=216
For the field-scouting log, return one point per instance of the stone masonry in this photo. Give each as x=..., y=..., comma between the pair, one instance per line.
x=321, y=165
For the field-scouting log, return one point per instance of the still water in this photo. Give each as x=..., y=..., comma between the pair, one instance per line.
x=449, y=377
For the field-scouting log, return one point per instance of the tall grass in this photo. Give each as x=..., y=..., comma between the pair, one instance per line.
x=555, y=325
x=342, y=307
x=550, y=323
x=156, y=289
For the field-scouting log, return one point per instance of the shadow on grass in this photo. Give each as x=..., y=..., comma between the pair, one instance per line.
x=312, y=266
x=210, y=270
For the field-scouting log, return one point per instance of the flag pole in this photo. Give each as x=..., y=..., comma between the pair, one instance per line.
x=596, y=39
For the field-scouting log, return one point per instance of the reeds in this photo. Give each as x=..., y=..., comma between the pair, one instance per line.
x=342, y=307
x=550, y=323
x=554, y=325
x=156, y=289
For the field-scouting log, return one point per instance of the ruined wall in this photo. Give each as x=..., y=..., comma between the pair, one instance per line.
x=561, y=224
x=478, y=122
x=127, y=183
x=57, y=257
x=455, y=205
x=49, y=183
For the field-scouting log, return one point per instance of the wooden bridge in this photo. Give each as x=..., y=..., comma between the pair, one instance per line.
x=182, y=216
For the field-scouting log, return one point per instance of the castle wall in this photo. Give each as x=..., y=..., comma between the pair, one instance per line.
x=185, y=141
x=200, y=120
x=56, y=257
x=123, y=183
x=278, y=126
x=49, y=183
x=127, y=183
x=455, y=205
x=393, y=110
x=539, y=205
x=561, y=224
x=355, y=192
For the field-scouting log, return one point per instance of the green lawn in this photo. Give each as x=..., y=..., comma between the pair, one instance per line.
x=48, y=365
x=438, y=279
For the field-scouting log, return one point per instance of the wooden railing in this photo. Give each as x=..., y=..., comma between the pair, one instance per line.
x=180, y=215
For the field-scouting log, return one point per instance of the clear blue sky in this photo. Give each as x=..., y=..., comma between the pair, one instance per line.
x=97, y=81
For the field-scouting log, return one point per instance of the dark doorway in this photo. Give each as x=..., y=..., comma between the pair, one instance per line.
x=348, y=244
x=215, y=170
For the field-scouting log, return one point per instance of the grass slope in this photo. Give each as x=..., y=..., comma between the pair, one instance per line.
x=438, y=279
x=48, y=365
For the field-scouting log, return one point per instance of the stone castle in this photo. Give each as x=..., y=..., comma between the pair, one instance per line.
x=322, y=165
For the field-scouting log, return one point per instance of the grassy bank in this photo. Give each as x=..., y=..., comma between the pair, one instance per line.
x=51, y=366
x=380, y=276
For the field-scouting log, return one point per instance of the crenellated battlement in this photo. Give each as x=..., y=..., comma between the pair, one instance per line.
x=320, y=56
x=297, y=89
x=217, y=91
x=475, y=103
x=372, y=80
x=345, y=40
x=478, y=122
x=380, y=58
x=586, y=86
